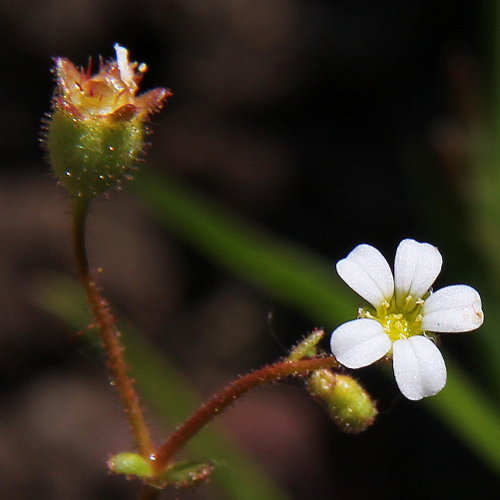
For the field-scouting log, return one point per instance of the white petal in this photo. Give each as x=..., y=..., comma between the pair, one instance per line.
x=359, y=342
x=126, y=73
x=416, y=267
x=367, y=272
x=418, y=367
x=455, y=308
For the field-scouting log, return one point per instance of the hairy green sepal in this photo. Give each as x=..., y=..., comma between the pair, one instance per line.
x=92, y=155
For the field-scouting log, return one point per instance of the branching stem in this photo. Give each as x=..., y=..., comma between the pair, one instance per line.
x=228, y=395
x=110, y=336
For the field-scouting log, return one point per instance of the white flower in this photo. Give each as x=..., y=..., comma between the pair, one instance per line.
x=404, y=313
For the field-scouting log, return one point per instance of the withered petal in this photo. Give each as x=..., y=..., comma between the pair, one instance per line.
x=153, y=100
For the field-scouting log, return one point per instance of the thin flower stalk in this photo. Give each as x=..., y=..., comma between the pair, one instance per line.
x=148, y=492
x=109, y=333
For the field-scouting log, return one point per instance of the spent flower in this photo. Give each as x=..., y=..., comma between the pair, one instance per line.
x=96, y=130
x=404, y=316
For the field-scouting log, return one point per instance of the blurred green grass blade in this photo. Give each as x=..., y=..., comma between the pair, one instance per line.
x=169, y=394
x=491, y=11
x=489, y=342
x=469, y=414
x=299, y=278
x=485, y=218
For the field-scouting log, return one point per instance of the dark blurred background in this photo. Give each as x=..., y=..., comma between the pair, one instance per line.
x=328, y=123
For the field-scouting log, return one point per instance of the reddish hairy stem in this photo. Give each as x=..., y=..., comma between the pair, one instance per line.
x=228, y=395
x=110, y=335
x=148, y=492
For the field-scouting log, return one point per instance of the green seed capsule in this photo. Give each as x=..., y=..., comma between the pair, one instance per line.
x=91, y=156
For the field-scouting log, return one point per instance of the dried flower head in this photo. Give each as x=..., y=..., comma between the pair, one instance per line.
x=97, y=127
x=111, y=93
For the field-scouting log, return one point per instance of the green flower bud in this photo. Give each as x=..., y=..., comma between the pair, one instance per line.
x=130, y=464
x=348, y=403
x=307, y=348
x=96, y=131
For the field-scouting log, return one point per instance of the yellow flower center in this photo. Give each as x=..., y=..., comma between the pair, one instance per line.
x=398, y=322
